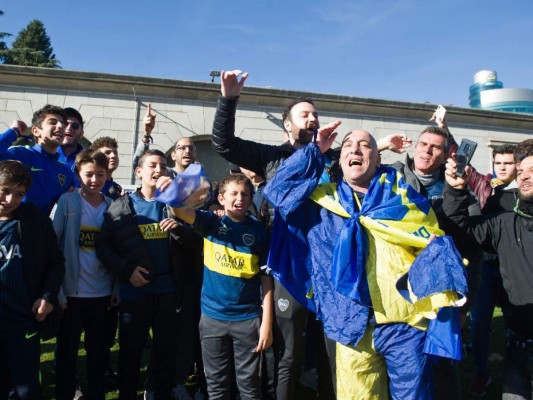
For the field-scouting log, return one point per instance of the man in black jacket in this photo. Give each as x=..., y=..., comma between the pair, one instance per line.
x=510, y=235
x=31, y=272
x=300, y=123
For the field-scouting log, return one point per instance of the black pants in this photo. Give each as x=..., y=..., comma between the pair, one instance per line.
x=158, y=312
x=19, y=362
x=290, y=323
x=291, y=320
x=188, y=349
x=90, y=315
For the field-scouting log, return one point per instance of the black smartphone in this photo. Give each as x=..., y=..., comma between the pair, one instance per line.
x=464, y=155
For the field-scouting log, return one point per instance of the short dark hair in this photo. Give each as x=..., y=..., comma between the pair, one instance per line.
x=41, y=113
x=523, y=150
x=91, y=157
x=435, y=130
x=73, y=113
x=238, y=179
x=15, y=173
x=149, y=153
x=104, y=141
x=503, y=149
x=286, y=116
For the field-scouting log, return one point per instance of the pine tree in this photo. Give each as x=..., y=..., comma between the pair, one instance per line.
x=3, y=35
x=32, y=47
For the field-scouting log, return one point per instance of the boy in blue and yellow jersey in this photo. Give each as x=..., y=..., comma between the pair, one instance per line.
x=31, y=271
x=50, y=178
x=233, y=326
x=135, y=244
x=86, y=290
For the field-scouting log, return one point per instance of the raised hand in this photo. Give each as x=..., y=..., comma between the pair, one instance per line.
x=21, y=127
x=326, y=136
x=441, y=122
x=398, y=143
x=149, y=121
x=230, y=84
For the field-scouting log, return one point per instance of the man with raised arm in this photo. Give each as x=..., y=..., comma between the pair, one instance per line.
x=300, y=122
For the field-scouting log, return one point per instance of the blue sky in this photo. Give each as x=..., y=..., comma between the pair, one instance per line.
x=420, y=51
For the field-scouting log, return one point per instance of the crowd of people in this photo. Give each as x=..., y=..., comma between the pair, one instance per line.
x=305, y=255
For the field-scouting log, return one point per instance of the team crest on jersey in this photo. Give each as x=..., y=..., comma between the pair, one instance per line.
x=223, y=230
x=283, y=304
x=125, y=318
x=62, y=179
x=248, y=239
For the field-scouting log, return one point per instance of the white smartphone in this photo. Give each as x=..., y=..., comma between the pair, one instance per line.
x=440, y=113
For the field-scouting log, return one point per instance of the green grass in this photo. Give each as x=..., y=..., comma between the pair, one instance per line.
x=303, y=393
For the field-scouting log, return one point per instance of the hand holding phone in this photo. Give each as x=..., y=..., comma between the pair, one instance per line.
x=464, y=155
x=440, y=113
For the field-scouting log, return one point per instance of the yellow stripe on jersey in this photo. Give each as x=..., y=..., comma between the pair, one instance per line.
x=152, y=231
x=226, y=261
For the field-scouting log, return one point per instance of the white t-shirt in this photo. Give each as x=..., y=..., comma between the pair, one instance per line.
x=95, y=279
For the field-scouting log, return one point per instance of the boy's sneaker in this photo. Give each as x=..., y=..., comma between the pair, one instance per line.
x=180, y=393
x=478, y=386
x=78, y=395
x=149, y=395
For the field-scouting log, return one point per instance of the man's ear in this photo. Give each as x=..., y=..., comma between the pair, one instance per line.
x=287, y=125
x=36, y=131
x=220, y=198
x=138, y=171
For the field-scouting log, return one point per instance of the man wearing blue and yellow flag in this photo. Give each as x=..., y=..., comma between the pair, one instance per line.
x=341, y=250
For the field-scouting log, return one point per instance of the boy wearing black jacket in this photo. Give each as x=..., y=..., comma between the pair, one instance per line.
x=31, y=272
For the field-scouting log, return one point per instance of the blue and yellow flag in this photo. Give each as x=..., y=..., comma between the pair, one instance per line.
x=391, y=211
x=341, y=256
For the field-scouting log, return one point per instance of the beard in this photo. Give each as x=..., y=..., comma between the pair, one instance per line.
x=526, y=198
x=304, y=136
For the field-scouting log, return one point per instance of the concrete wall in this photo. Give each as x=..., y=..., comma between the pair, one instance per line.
x=114, y=105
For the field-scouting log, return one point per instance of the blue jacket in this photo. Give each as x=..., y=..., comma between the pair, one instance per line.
x=70, y=161
x=50, y=178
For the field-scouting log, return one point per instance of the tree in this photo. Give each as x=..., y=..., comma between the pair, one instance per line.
x=32, y=47
x=3, y=35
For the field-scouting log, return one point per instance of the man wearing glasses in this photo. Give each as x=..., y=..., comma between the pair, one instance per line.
x=70, y=147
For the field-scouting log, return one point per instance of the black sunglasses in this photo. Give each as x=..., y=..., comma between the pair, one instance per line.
x=73, y=125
